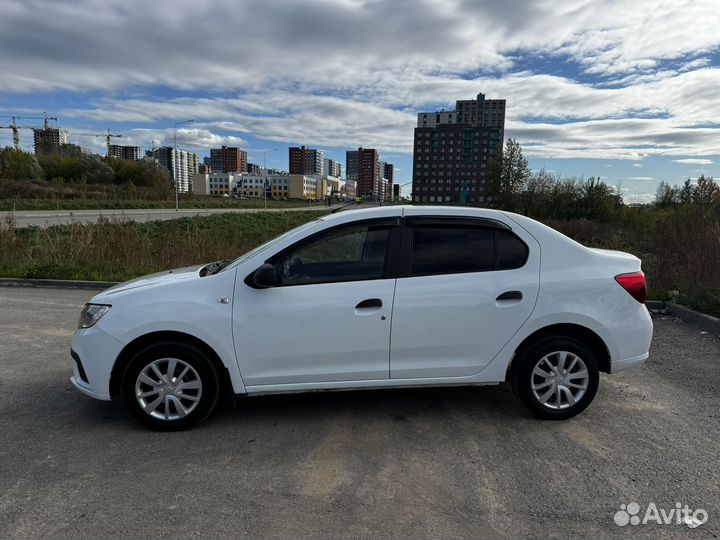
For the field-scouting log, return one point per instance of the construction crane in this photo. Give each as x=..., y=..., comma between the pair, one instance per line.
x=16, y=129
x=108, y=138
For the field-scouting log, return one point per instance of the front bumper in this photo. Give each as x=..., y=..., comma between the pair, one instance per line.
x=93, y=355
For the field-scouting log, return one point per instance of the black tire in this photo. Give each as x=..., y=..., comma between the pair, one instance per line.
x=522, y=377
x=207, y=395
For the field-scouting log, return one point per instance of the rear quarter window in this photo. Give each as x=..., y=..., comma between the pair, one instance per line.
x=511, y=251
x=457, y=249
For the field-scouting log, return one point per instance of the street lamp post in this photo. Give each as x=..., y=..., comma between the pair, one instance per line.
x=174, y=160
x=265, y=153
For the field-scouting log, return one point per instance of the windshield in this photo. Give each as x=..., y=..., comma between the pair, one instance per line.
x=267, y=245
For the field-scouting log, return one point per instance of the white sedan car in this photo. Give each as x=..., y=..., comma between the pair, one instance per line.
x=377, y=298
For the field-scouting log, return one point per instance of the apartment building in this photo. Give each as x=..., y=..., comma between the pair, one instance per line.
x=183, y=165
x=129, y=153
x=453, y=151
x=333, y=168
x=303, y=160
x=228, y=159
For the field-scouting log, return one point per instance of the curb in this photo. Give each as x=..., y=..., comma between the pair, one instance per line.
x=706, y=322
x=57, y=284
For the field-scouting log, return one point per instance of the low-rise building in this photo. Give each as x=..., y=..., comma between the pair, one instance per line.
x=271, y=184
x=215, y=184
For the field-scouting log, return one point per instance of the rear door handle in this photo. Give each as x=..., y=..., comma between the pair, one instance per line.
x=509, y=295
x=369, y=303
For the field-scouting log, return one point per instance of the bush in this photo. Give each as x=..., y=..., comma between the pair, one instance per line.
x=120, y=250
x=18, y=164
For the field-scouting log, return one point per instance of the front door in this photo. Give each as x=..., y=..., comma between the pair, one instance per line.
x=329, y=318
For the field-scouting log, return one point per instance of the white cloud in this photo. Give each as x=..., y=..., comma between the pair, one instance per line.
x=187, y=139
x=355, y=72
x=694, y=161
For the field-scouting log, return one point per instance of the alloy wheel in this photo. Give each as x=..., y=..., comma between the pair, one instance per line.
x=559, y=380
x=168, y=389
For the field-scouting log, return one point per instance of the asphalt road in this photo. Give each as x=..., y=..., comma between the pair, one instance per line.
x=424, y=463
x=47, y=218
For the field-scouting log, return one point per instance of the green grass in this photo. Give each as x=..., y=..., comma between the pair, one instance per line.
x=120, y=250
x=680, y=249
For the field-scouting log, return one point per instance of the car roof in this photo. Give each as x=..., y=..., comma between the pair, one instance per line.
x=355, y=214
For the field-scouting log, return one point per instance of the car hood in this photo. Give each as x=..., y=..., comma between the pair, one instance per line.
x=151, y=280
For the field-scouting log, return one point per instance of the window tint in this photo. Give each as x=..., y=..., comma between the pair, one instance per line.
x=450, y=250
x=352, y=253
x=512, y=253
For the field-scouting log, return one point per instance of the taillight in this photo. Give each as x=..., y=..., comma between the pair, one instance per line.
x=635, y=284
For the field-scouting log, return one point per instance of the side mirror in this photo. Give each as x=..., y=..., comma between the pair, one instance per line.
x=265, y=277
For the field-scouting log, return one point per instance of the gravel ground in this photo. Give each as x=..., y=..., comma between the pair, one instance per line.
x=424, y=463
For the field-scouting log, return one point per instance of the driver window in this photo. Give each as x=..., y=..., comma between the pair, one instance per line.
x=352, y=253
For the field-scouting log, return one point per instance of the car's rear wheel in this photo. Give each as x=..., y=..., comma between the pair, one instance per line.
x=556, y=378
x=170, y=386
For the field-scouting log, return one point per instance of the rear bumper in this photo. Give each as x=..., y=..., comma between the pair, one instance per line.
x=628, y=363
x=628, y=339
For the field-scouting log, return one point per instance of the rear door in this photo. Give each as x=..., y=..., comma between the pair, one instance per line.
x=465, y=286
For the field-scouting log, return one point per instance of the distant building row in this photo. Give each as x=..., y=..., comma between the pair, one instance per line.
x=266, y=183
x=364, y=169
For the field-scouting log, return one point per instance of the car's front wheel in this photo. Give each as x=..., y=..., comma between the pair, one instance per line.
x=170, y=386
x=556, y=378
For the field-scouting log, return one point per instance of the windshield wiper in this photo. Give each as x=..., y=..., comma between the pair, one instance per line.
x=213, y=268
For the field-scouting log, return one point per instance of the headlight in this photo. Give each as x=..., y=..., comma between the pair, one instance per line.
x=91, y=314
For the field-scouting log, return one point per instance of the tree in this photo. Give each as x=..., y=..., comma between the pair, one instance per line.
x=666, y=195
x=597, y=200
x=85, y=168
x=537, y=191
x=508, y=175
x=146, y=174
x=685, y=195
x=16, y=164
x=706, y=191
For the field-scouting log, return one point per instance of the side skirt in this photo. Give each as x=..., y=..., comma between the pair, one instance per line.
x=345, y=386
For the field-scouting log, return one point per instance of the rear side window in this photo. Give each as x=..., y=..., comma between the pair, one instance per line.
x=452, y=250
x=447, y=249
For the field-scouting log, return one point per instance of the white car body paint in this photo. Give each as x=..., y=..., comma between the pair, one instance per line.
x=311, y=337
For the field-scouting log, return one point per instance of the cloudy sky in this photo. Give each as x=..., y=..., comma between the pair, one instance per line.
x=627, y=90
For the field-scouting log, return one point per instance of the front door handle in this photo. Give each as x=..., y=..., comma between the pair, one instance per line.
x=509, y=295
x=369, y=303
